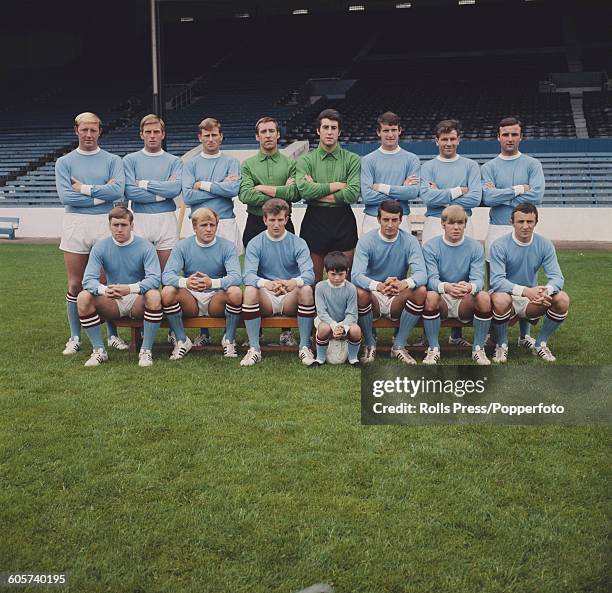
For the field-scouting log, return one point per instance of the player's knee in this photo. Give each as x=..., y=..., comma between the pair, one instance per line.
x=364, y=297
x=251, y=295
x=168, y=295
x=561, y=302
x=234, y=296
x=152, y=299
x=502, y=301
x=354, y=333
x=305, y=295
x=432, y=301
x=419, y=295
x=324, y=331
x=84, y=300
x=74, y=288
x=483, y=301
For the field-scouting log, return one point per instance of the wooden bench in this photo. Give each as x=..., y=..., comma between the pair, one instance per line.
x=135, y=326
x=8, y=225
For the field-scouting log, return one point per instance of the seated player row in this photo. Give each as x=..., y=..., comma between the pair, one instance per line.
x=330, y=179
x=203, y=277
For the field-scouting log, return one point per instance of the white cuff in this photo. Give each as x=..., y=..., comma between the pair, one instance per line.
x=205, y=185
x=411, y=282
x=373, y=286
x=334, y=325
x=517, y=290
x=260, y=283
x=441, y=287
x=551, y=289
x=299, y=281
x=134, y=288
x=143, y=184
x=98, y=201
x=518, y=190
x=474, y=288
x=160, y=199
x=86, y=189
x=102, y=288
x=456, y=193
x=384, y=188
x=182, y=282
x=216, y=283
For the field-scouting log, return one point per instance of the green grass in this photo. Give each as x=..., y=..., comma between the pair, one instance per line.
x=201, y=476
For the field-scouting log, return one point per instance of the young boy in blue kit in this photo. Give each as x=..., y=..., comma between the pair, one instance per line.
x=336, y=303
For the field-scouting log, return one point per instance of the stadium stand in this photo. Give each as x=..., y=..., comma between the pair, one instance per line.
x=475, y=78
x=598, y=113
x=422, y=105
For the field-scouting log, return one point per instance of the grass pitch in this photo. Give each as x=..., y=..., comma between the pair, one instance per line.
x=201, y=476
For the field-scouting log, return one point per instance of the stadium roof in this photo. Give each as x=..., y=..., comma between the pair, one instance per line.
x=258, y=8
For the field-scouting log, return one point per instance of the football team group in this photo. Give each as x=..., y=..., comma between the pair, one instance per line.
x=141, y=269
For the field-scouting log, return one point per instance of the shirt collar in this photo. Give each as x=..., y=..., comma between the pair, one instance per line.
x=145, y=151
x=453, y=244
x=443, y=160
x=210, y=156
x=335, y=153
x=395, y=151
x=129, y=242
x=88, y=152
x=205, y=245
x=510, y=158
x=273, y=239
x=388, y=240
x=520, y=243
x=340, y=286
x=263, y=156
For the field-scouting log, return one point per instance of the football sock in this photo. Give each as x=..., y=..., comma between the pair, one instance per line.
x=366, y=318
x=500, y=321
x=305, y=317
x=232, y=317
x=525, y=327
x=550, y=325
x=152, y=320
x=455, y=333
x=73, y=315
x=111, y=329
x=93, y=328
x=353, y=350
x=408, y=319
x=431, y=324
x=173, y=314
x=482, y=324
x=252, y=322
x=322, y=346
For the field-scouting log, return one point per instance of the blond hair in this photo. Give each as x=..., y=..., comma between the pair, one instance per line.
x=87, y=117
x=204, y=214
x=209, y=123
x=152, y=119
x=454, y=213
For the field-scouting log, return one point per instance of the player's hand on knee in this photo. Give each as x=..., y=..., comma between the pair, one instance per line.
x=339, y=332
